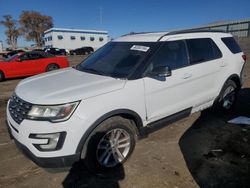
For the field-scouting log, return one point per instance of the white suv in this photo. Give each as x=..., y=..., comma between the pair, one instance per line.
x=134, y=84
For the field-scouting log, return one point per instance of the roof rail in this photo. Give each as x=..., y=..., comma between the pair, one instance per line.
x=135, y=33
x=191, y=31
x=195, y=31
x=178, y=32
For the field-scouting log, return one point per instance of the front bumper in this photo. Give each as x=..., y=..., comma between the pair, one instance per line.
x=65, y=156
x=53, y=162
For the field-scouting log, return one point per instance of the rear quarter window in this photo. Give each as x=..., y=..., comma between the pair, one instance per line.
x=231, y=45
x=202, y=49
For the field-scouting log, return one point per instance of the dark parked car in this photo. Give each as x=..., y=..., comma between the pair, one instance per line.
x=11, y=53
x=56, y=51
x=82, y=51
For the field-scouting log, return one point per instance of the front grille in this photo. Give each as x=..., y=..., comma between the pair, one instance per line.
x=18, y=108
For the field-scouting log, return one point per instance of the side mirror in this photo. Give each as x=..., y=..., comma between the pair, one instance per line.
x=18, y=59
x=161, y=71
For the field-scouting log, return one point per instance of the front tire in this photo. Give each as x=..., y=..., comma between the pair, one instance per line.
x=110, y=144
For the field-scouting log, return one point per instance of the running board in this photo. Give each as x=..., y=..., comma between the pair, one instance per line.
x=156, y=125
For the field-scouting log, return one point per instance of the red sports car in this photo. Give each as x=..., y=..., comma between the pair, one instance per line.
x=30, y=63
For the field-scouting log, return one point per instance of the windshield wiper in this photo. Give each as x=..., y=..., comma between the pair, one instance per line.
x=90, y=70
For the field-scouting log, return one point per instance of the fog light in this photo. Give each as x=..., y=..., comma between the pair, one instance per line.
x=54, y=141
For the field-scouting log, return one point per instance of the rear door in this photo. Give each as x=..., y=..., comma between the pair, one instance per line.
x=205, y=66
x=195, y=67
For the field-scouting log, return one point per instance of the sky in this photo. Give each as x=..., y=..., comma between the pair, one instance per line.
x=121, y=17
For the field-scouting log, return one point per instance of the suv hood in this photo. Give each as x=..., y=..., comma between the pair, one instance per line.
x=65, y=85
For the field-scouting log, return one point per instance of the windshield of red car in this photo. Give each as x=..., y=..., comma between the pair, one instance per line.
x=12, y=58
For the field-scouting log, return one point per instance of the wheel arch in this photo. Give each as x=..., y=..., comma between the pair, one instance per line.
x=233, y=77
x=52, y=63
x=236, y=79
x=126, y=113
x=4, y=76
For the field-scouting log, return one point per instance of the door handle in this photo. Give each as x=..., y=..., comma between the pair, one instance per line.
x=187, y=75
x=223, y=64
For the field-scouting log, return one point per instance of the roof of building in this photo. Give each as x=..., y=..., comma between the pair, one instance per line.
x=75, y=31
x=221, y=23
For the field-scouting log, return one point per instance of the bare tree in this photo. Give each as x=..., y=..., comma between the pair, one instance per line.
x=12, y=32
x=33, y=24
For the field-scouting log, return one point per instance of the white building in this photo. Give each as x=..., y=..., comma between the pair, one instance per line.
x=74, y=38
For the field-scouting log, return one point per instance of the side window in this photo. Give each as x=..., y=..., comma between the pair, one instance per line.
x=101, y=39
x=231, y=44
x=200, y=50
x=49, y=38
x=60, y=37
x=24, y=57
x=35, y=56
x=172, y=54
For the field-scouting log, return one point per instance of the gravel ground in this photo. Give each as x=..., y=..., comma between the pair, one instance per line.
x=198, y=151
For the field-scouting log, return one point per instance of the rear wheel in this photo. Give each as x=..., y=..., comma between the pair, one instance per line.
x=52, y=67
x=227, y=97
x=110, y=144
x=1, y=76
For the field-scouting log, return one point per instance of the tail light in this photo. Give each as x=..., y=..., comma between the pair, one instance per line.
x=244, y=57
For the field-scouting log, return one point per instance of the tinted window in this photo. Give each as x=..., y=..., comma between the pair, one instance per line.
x=28, y=56
x=231, y=44
x=72, y=37
x=200, y=50
x=35, y=56
x=116, y=59
x=92, y=38
x=82, y=38
x=24, y=57
x=172, y=54
x=100, y=39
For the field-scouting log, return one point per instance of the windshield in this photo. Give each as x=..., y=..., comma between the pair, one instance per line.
x=116, y=59
x=12, y=58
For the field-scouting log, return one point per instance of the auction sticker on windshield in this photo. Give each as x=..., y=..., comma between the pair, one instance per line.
x=140, y=48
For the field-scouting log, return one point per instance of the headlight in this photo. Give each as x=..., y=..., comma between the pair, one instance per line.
x=53, y=113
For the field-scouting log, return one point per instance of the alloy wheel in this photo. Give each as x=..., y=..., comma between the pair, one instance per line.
x=113, y=148
x=228, y=97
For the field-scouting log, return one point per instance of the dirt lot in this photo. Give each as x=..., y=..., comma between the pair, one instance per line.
x=199, y=151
